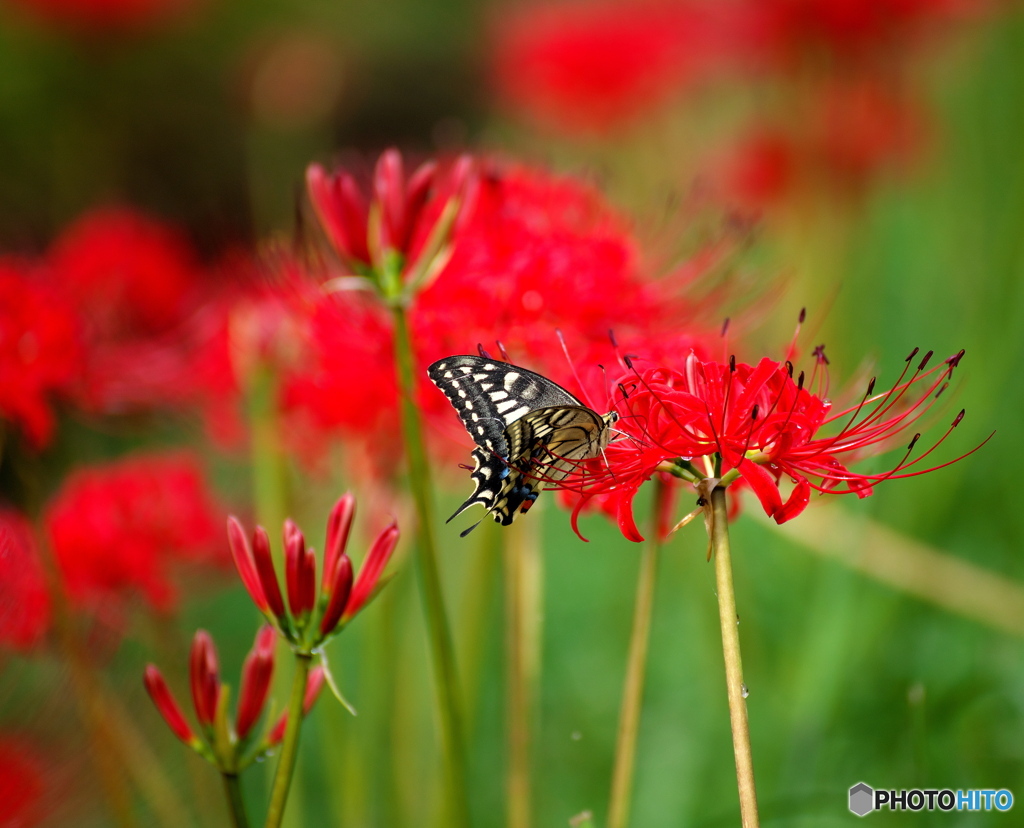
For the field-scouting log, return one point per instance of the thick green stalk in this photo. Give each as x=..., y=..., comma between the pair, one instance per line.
x=737, y=690
x=236, y=805
x=636, y=671
x=438, y=632
x=523, y=584
x=290, y=744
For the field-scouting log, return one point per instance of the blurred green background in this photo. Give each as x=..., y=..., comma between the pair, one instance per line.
x=210, y=122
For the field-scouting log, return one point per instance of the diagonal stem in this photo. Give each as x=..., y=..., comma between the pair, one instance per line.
x=729, y=620
x=636, y=668
x=236, y=804
x=290, y=744
x=438, y=633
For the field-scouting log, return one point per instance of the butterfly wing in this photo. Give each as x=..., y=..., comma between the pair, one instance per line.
x=528, y=430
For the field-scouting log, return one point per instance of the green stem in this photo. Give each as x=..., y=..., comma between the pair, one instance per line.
x=270, y=493
x=438, y=633
x=737, y=690
x=636, y=670
x=523, y=576
x=290, y=745
x=236, y=805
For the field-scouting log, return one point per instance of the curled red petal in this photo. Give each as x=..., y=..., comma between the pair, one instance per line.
x=257, y=672
x=341, y=588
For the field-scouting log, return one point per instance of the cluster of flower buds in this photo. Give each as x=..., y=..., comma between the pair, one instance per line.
x=230, y=748
x=400, y=236
x=311, y=616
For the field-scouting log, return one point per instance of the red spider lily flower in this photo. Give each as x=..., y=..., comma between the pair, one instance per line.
x=106, y=16
x=758, y=424
x=40, y=350
x=314, y=684
x=24, y=601
x=397, y=219
x=119, y=529
x=595, y=66
x=309, y=621
x=141, y=291
x=207, y=692
x=23, y=783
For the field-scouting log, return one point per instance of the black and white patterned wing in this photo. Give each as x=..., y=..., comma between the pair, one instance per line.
x=489, y=394
x=525, y=426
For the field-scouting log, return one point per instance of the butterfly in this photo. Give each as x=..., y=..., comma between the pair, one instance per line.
x=528, y=431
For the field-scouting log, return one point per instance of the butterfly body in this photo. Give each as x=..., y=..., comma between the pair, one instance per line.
x=528, y=430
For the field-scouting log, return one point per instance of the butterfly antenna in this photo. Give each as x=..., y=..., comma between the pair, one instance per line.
x=572, y=367
x=502, y=351
x=480, y=349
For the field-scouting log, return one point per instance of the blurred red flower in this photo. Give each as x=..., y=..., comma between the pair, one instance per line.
x=24, y=600
x=853, y=132
x=22, y=784
x=759, y=424
x=596, y=66
x=138, y=285
x=120, y=528
x=40, y=350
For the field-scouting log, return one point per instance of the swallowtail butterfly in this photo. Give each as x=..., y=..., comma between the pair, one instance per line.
x=528, y=431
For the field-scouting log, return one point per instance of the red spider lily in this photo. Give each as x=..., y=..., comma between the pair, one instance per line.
x=399, y=217
x=120, y=528
x=40, y=350
x=140, y=289
x=758, y=424
x=597, y=66
x=24, y=601
x=229, y=748
x=309, y=619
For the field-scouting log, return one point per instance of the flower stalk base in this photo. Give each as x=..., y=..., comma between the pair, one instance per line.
x=719, y=531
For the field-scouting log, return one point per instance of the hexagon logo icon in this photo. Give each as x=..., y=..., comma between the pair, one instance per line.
x=862, y=799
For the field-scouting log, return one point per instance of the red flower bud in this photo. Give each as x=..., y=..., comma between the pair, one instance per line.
x=265, y=568
x=342, y=211
x=203, y=674
x=339, y=524
x=341, y=588
x=242, y=555
x=168, y=707
x=294, y=562
x=255, y=685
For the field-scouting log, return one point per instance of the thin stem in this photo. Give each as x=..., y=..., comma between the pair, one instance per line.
x=737, y=690
x=636, y=669
x=441, y=651
x=290, y=745
x=236, y=805
x=523, y=577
